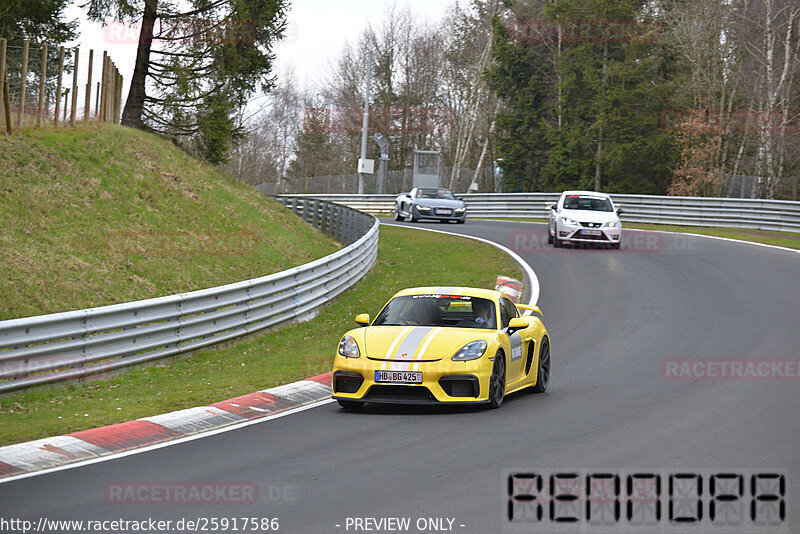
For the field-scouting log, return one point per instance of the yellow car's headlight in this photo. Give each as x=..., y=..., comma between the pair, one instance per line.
x=471, y=351
x=349, y=348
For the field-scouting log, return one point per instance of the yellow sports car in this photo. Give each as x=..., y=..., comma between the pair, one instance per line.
x=443, y=345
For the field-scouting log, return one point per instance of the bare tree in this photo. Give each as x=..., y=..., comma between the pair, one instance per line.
x=264, y=154
x=473, y=105
x=771, y=37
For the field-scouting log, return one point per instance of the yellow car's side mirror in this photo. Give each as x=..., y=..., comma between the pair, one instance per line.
x=517, y=323
x=362, y=319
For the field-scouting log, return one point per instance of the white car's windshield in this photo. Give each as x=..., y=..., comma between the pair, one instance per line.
x=438, y=310
x=586, y=202
x=435, y=193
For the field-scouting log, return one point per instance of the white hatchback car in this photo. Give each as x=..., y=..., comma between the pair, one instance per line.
x=584, y=217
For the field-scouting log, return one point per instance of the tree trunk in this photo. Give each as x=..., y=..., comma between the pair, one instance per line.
x=477, y=175
x=134, y=105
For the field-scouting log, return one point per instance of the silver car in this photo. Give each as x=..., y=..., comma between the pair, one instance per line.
x=435, y=203
x=584, y=217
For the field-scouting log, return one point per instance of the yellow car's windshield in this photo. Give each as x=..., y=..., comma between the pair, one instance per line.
x=438, y=310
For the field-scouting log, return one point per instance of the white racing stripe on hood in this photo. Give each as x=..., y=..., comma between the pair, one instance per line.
x=407, y=348
x=389, y=352
x=424, y=347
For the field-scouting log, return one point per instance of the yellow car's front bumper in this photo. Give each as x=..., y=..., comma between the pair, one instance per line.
x=443, y=381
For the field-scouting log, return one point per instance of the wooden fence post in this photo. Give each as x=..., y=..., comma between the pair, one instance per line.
x=66, y=101
x=117, y=96
x=42, y=79
x=112, y=90
x=74, y=87
x=58, y=84
x=88, y=105
x=2, y=77
x=23, y=79
x=97, y=101
x=4, y=85
x=103, y=88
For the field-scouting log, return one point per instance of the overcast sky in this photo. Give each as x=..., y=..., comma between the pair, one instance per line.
x=318, y=29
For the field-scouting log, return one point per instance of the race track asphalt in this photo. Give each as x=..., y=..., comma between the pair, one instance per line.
x=615, y=318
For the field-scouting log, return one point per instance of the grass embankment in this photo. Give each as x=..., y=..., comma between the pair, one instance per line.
x=406, y=258
x=105, y=214
x=781, y=239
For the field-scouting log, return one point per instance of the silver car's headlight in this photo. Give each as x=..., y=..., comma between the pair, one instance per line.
x=570, y=222
x=349, y=348
x=426, y=209
x=461, y=209
x=611, y=224
x=471, y=351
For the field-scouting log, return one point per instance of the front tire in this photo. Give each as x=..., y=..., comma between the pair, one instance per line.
x=557, y=243
x=543, y=365
x=497, y=382
x=397, y=216
x=615, y=246
x=549, y=237
x=350, y=404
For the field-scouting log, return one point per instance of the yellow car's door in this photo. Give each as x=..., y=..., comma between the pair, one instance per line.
x=515, y=361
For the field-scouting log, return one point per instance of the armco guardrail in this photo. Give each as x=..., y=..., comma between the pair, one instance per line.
x=75, y=344
x=688, y=211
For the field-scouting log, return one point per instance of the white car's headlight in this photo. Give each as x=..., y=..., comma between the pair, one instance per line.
x=471, y=351
x=349, y=348
x=611, y=224
x=569, y=222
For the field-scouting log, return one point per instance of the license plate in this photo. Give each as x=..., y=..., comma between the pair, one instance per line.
x=399, y=377
x=591, y=232
x=442, y=211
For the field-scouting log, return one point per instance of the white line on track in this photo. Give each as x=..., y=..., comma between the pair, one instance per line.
x=534, y=281
x=176, y=441
x=767, y=245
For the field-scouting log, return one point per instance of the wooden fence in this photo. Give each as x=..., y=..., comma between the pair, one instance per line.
x=57, y=95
